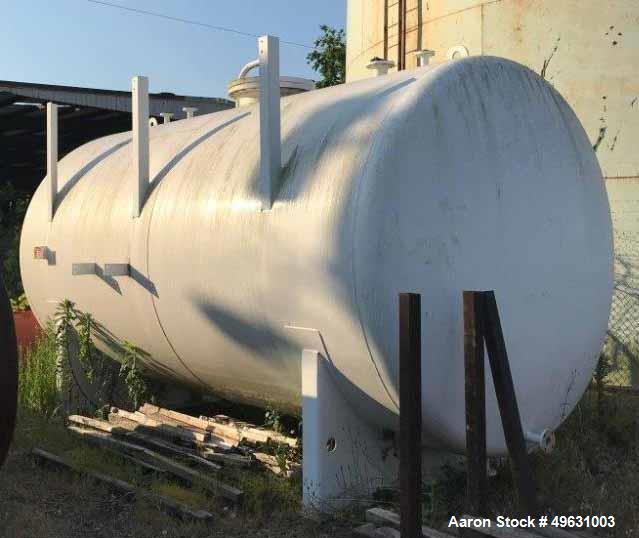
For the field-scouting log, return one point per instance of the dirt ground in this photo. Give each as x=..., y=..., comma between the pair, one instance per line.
x=593, y=470
x=39, y=502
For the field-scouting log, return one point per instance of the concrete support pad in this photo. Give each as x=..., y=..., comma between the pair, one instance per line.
x=344, y=458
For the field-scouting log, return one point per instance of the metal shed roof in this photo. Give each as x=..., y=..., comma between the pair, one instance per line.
x=84, y=114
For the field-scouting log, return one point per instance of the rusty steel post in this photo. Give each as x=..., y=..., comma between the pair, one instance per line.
x=410, y=414
x=508, y=408
x=476, y=477
x=401, y=35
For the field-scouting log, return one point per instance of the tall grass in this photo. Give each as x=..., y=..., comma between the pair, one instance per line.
x=37, y=382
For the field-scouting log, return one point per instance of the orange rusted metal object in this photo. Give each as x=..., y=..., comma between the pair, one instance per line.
x=27, y=329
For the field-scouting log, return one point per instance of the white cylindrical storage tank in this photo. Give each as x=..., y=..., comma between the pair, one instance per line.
x=469, y=175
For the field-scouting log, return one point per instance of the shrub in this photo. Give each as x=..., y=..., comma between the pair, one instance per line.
x=38, y=375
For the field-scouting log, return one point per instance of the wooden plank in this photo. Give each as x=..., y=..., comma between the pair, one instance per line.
x=205, y=462
x=239, y=431
x=132, y=459
x=124, y=487
x=177, y=469
x=508, y=408
x=383, y=517
x=230, y=433
x=158, y=442
x=269, y=462
x=107, y=439
x=427, y=532
x=284, y=440
x=196, y=422
x=367, y=530
x=387, y=532
x=155, y=442
x=235, y=460
x=257, y=435
x=49, y=457
x=94, y=423
x=225, y=434
x=137, y=417
x=556, y=532
x=410, y=416
x=168, y=430
x=475, y=394
x=218, y=444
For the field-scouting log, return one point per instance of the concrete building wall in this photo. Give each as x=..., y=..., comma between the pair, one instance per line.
x=590, y=53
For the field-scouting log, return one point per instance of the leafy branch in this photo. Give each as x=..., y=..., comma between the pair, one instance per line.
x=131, y=372
x=68, y=319
x=86, y=347
x=329, y=57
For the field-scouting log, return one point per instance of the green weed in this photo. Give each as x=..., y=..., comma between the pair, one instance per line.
x=38, y=373
x=273, y=419
x=131, y=371
x=267, y=496
x=193, y=498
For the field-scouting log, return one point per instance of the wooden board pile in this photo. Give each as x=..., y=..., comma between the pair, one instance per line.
x=190, y=449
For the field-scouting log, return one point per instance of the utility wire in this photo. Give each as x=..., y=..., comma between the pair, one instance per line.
x=195, y=23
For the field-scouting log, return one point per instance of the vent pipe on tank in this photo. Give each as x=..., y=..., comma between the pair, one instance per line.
x=140, y=115
x=190, y=111
x=248, y=68
x=423, y=57
x=52, y=156
x=270, y=127
x=380, y=66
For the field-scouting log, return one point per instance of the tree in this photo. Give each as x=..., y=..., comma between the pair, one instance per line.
x=13, y=207
x=329, y=57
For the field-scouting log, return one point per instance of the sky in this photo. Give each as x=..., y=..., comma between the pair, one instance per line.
x=80, y=43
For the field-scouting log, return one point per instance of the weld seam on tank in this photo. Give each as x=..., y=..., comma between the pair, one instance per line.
x=357, y=190
x=156, y=188
x=155, y=310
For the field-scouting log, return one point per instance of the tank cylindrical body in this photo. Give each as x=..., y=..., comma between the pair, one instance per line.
x=469, y=175
x=587, y=49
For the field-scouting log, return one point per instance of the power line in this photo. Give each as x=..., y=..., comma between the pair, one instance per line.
x=195, y=23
